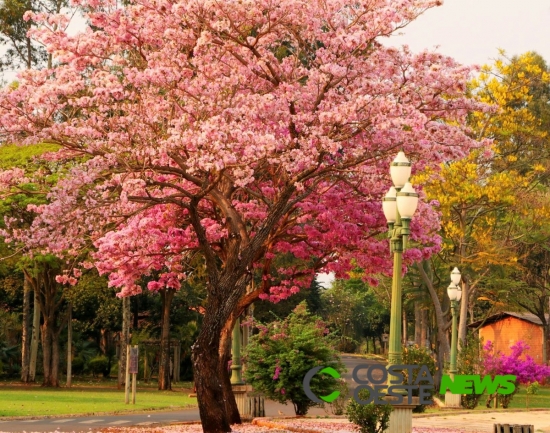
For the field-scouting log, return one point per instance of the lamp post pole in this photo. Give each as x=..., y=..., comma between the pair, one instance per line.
x=454, y=339
x=396, y=247
x=236, y=368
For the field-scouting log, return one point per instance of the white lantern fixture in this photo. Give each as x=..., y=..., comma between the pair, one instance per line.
x=452, y=292
x=400, y=170
x=389, y=205
x=456, y=276
x=407, y=201
x=458, y=293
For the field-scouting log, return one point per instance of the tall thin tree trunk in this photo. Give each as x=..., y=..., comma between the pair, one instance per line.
x=417, y=324
x=46, y=352
x=54, y=375
x=124, y=341
x=164, y=366
x=544, y=343
x=424, y=328
x=35, y=339
x=444, y=347
x=70, y=347
x=464, y=305
x=25, y=335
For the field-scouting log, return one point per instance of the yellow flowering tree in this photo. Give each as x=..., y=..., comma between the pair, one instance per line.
x=493, y=200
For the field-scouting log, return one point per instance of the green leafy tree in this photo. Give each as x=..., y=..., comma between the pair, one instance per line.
x=280, y=355
x=354, y=311
x=17, y=197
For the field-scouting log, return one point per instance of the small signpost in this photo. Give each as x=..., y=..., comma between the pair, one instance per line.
x=385, y=340
x=132, y=362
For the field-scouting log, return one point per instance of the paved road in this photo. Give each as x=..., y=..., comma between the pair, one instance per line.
x=88, y=423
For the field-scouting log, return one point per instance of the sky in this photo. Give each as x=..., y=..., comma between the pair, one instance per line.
x=472, y=31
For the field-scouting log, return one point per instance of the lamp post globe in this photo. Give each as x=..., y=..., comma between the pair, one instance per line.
x=400, y=170
x=452, y=292
x=456, y=276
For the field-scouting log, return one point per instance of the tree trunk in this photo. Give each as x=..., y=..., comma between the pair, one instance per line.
x=54, y=375
x=444, y=348
x=70, y=347
x=207, y=366
x=231, y=409
x=424, y=328
x=417, y=324
x=464, y=304
x=124, y=341
x=46, y=352
x=51, y=329
x=104, y=341
x=545, y=343
x=164, y=366
x=35, y=339
x=25, y=334
x=210, y=394
x=50, y=350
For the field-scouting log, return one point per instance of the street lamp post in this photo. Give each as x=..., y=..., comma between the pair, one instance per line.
x=455, y=294
x=399, y=206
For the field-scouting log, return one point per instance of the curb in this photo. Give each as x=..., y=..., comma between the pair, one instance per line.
x=369, y=356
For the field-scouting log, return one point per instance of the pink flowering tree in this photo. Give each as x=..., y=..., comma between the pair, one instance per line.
x=236, y=130
x=517, y=363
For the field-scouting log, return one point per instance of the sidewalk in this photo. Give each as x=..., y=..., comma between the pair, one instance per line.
x=483, y=422
x=464, y=422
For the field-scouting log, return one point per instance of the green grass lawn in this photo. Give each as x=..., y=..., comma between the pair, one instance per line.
x=36, y=401
x=540, y=400
x=537, y=401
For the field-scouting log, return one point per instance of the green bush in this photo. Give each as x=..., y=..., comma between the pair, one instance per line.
x=338, y=406
x=470, y=361
x=370, y=418
x=280, y=355
x=532, y=389
x=98, y=365
x=77, y=365
x=416, y=355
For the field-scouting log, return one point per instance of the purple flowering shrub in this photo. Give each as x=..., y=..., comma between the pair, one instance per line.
x=517, y=363
x=280, y=354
